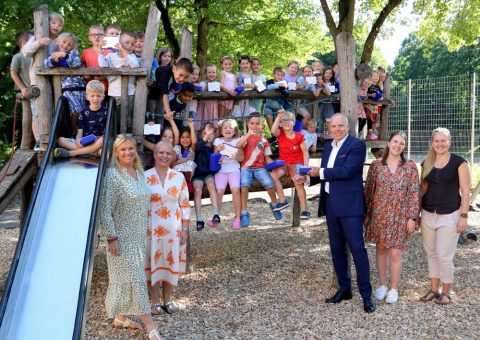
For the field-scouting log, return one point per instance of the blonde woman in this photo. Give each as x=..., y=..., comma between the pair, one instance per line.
x=445, y=190
x=124, y=223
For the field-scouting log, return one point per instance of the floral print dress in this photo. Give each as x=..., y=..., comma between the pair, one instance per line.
x=169, y=206
x=391, y=200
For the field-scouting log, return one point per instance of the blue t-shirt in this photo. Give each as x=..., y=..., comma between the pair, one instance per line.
x=92, y=122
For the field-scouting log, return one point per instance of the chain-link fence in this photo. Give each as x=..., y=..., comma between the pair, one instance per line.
x=422, y=105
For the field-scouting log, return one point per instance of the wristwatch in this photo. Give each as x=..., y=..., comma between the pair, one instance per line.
x=464, y=215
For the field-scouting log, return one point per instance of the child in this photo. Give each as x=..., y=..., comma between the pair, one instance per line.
x=203, y=175
x=195, y=79
x=207, y=109
x=19, y=72
x=244, y=79
x=169, y=134
x=273, y=105
x=138, y=50
x=180, y=102
x=186, y=152
x=310, y=135
x=91, y=121
x=90, y=56
x=113, y=30
x=73, y=87
x=227, y=84
x=294, y=152
x=318, y=66
x=303, y=111
x=292, y=72
x=371, y=110
x=154, y=101
x=256, y=76
x=123, y=57
x=55, y=24
x=257, y=152
x=230, y=170
x=327, y=109
x=362, y=95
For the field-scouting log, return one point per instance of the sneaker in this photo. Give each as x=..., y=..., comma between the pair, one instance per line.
x=280, y=206
x=244, y=219
x=392, y=296
x=305, y=215
x=369, y=136
x=214, y=222
x=236, y=224
x=36, y=147
x=200, y=225
x=277, y=214
x=61, y=153
x=381, y=292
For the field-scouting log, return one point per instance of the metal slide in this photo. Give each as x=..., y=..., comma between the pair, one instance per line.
x=47, y=288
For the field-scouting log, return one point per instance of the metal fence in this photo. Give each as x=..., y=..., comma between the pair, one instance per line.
x=422, y=105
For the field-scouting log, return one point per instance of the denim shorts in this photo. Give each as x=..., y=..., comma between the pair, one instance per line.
x=260, y=174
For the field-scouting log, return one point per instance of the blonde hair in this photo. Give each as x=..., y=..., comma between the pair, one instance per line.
x=311, y=122
x=122, y=138
x=68, y=35
x=290, y=115
x=429, y=161
x=54, y=15
x=222, y=59
x=233, y=123
x=95, y=86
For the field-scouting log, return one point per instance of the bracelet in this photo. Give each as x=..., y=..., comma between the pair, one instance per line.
x=464, y=215
x=111, y=239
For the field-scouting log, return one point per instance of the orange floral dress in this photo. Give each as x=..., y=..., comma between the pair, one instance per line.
x=166, y=259
x=391, y=200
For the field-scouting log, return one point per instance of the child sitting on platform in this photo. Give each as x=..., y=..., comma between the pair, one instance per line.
x=91, y=123
x=73, y=87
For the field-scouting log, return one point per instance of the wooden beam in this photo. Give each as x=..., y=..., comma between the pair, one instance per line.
x=27, y=134
x=84, y=71
x=124, y=105
x=385, y=110
x=187, y=41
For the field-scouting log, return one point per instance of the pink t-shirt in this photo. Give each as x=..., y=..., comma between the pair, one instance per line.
x=290, y=148
x=255, y=151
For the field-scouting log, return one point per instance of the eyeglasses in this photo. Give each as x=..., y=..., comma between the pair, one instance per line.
x=96, y=35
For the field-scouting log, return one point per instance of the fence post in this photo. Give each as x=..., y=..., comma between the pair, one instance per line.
x=473, y=100
x=409, y=117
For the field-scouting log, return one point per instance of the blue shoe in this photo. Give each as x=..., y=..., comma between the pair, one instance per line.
x=280, y=206
x=277, y=214
x=61, y=153
x=244, y=219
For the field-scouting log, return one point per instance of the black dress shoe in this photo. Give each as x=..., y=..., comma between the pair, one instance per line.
x=369, y=305
x=339, y=296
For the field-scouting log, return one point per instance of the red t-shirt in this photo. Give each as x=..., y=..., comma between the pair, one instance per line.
x=290, y=150
x=254, y=152
x=89, y=58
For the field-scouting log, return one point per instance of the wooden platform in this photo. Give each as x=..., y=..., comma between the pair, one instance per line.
x=19, y=173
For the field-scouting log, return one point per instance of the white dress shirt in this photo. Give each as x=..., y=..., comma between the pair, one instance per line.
x=331, y=160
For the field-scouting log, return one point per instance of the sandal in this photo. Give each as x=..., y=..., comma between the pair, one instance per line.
x=127, y=323
x=157, y=309
x=169, y=307
x=429, y=296
x=440, y=301
x=154, y=334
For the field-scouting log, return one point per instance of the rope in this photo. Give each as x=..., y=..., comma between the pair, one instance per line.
x=13, y=141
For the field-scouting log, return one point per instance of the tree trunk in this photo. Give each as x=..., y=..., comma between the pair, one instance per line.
x=168, y=28
x=201, y=7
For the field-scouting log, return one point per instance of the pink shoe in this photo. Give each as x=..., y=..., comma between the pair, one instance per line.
x=369, y=135
x=236, y=224
x=374, y=136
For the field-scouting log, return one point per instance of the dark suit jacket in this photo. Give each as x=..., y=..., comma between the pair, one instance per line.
x=345, y=178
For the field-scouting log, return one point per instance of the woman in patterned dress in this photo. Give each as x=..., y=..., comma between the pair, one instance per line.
x=124, y=222
x=169, y=217
x=392, y=196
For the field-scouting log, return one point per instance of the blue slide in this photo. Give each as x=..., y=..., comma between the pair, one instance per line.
x=46, y=292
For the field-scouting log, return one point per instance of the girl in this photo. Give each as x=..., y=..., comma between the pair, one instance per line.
x=326, y=109
x=303, y=112
x=164, y=56
x=244, y=78
x=185, y=152
x=73, y=87
x=169, y=134
x=362, y=95
x=203, y=175
x=193, y=108
x=256, y=76
x=318, y=66
x=230, y=171
x=371, y=110
x=154, y=102
x=227, y=84
x=292, y=72
x=207, y=109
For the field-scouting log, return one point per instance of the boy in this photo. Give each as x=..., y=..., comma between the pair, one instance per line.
x=295, y=153
x=123, y=57
x=310, y=135
x=91, y=121
x=179, y=103
x=273, y=105
x=112, y=30
x=19, y=73
x=90, y=55
x=257, y=153
x=169, y=80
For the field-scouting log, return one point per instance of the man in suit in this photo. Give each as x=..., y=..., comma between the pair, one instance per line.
x=342, y=201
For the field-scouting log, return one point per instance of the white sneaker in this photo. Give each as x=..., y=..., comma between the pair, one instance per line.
x=392, y=296
x=381, y=292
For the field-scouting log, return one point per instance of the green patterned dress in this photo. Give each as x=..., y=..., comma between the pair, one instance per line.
x=124, y=213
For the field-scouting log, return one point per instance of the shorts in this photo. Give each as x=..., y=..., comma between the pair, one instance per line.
x=260, y=174
x=289, y=169
x=202, y=179
x=230, y=178
x=76, y=101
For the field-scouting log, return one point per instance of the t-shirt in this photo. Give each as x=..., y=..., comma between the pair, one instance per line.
x=255, y=150
x=228, y=164
x=165, y=82
x=289, y=148
x=310, y=138
x=21, y=65
x=92, y=122
x=89, y=58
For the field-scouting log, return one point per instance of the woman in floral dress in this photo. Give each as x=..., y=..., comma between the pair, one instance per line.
x=392, y=196
x=169, y=216
x=124, y=222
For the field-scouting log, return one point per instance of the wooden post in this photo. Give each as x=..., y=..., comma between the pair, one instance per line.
x=295, y=209
x=385, y=110
x=57, y=89
x=187, y=41
x=27, y=135
x=346, y=65
x=44, y=100
x=124, y=105
x=141, y=91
